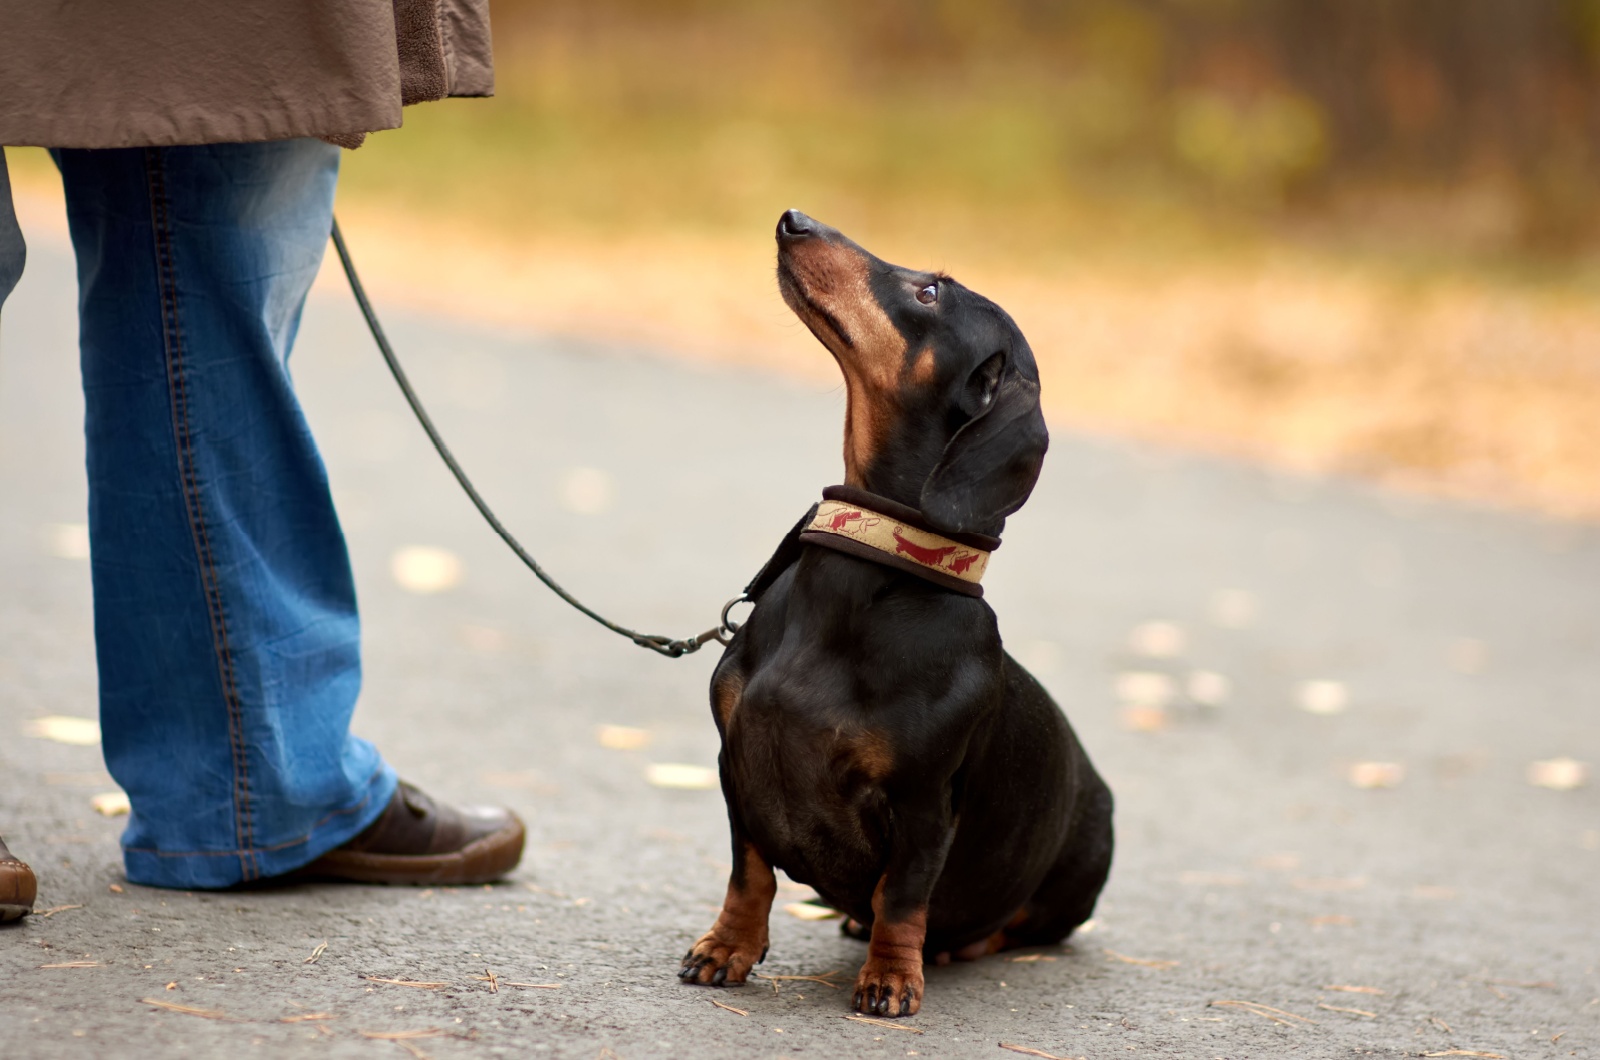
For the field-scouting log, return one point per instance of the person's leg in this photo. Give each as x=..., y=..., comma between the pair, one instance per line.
x=225, y=611
x=13, y=251
x=17, y=884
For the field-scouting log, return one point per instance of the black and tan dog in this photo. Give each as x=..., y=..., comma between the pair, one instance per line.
x=878, y=744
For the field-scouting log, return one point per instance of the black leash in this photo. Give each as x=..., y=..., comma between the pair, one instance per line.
x=722, y=632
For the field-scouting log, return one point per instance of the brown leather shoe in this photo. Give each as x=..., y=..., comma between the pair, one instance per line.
x=418, y=841
x=18, y=888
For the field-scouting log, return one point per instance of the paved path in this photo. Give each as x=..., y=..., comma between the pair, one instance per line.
x=1465, y=901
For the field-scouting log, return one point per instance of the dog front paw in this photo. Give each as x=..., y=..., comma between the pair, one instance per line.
x=888, y=988
x=722, y=958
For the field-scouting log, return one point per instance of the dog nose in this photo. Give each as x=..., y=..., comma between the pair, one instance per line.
x=796, y=225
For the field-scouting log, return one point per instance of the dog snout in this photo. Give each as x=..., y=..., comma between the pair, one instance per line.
x=794, y=226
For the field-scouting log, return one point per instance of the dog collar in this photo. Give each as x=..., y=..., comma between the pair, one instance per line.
x=896, y=535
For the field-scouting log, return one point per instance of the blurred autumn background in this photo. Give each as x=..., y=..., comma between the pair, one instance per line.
x=1344, y=235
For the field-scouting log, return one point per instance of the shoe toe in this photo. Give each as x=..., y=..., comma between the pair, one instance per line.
x=18, y=889
x=484, y=820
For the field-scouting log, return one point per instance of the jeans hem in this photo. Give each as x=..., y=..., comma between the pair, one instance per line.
x=221, y=869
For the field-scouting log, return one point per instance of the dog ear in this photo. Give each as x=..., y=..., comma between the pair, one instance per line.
x=990, y=466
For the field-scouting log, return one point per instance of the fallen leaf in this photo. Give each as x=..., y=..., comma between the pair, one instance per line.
x=67, y=540
x=111, y=804
x=1558, y=774
x=1142, y=962
x=811, y=911
x=621, y=737
x=885, y=1023
x=1372, y=775
x=404, y=982
x=80, y=732
x=74, y=964
x=1146, y=688
x=1144, y=719
x=683, y=777
x=587, y=490
x=423, y=570
x=1158, y=640
x=1357, y=990
x=730, y=1008
x=1322, y=697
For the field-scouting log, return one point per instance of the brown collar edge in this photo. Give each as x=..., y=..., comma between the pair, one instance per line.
x=906, y=514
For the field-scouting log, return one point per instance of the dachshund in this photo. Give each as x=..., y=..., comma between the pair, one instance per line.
x=878, y=743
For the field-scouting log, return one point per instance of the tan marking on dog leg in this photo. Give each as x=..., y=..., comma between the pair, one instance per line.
x=890, y=982
x=982, y=948
x=737, y=942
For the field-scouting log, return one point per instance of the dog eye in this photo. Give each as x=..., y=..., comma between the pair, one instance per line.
x=929, y=294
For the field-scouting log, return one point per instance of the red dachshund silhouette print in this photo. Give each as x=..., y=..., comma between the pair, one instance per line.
x=933, y=557
x=842, y=519
x=962, y=564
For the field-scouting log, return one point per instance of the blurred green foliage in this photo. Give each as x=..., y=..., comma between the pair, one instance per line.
x=1467, y=125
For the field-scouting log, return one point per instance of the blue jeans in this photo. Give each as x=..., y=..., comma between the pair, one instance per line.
x=225, y=613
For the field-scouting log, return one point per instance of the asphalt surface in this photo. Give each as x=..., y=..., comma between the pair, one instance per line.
x=1465, y=901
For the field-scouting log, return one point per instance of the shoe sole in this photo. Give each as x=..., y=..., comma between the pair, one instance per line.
x=484, y=861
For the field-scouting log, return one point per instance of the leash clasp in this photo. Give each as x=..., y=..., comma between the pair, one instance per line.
x=722, y=633
x=727, y=627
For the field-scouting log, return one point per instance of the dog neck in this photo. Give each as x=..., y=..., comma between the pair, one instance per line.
x=884, y=531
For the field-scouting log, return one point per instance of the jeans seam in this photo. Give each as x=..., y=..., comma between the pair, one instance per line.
x=365, y=799
x=172, y=337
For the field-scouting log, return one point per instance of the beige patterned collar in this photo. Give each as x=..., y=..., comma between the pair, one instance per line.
x=887, y=532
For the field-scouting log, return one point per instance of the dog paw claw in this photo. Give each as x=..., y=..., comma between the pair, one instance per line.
x=718, y=960
x=888, y=990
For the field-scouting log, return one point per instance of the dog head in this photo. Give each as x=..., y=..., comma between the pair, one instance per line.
x=942, y=390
